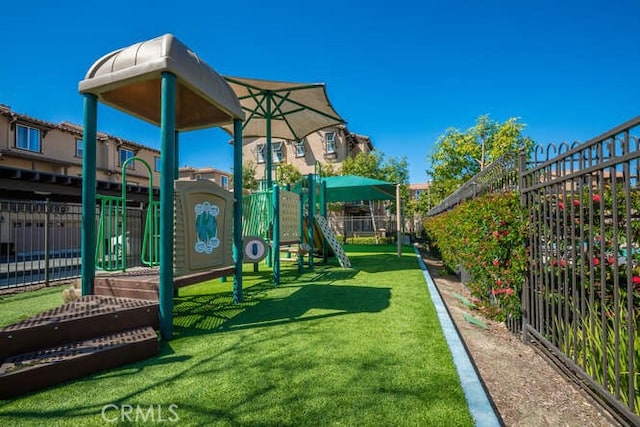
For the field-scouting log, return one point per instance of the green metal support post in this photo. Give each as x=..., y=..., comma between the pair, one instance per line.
x=275, y=250
x=323, y=212
x=167, y=153
x=301, y=233
x=312, y=207
x=88, y=251
x=268, y=147
x=398, y=223
x=237, y=210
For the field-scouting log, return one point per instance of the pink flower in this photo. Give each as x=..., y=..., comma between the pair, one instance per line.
x=499, y=282
x=496, y=262
x=596, y=198
x=509, y=291
x=576, y=202
x=611, y=260
x=596, y=261
x=563, y=262
x=636, y=280
x=561, y=205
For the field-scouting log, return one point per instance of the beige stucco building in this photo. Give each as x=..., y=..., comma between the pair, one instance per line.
x=42, y=158
x=329, y=146
x=220, y=177
x=29, y=145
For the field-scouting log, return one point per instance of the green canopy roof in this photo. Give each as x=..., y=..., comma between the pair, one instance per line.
x=349, y=188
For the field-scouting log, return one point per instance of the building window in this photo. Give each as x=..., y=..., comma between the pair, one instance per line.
x=79, y=148
x=225, y=181
x=28, y=138
x=124, y=156
x=330, y=142
x=157, y=163
x=276, y=152
x=260, y=153
x=198, y=176
x=300, y=148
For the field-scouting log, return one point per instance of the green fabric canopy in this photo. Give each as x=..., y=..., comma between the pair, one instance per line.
x=349, y=188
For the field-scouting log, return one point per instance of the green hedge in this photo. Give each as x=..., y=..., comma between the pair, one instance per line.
x=485, y=236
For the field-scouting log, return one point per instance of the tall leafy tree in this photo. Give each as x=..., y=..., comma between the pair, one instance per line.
x=326, y=169
x=249, y=181
x=368, y=165
x=375, y=165
x=288, y=174
x=458, y=155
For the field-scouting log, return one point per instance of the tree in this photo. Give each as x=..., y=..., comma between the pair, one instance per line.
x=249, y=181
x=288, y=174
x=458, y=156
x=374, y=165
x=325, y=169
x=367, y=165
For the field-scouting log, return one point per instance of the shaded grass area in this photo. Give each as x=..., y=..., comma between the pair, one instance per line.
x=20, y=306
x=359, y=346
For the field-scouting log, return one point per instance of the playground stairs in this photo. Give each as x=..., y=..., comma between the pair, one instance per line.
x=76, y=339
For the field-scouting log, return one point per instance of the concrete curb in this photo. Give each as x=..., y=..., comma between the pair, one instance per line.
x=474, y=392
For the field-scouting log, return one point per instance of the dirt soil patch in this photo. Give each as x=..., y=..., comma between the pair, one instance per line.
x=525, y=388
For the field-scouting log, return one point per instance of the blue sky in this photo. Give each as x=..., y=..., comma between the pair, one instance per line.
x=401, y=72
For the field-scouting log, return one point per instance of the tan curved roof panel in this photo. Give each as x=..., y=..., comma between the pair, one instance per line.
x=129, y=79
x=296, y=109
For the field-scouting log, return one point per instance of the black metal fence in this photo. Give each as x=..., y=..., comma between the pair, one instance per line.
x=363, y=225
x=500, y=175
x=581, y=298
x=40, y=241
x=582, y=295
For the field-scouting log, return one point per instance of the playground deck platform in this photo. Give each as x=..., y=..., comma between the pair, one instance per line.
x=143, y=282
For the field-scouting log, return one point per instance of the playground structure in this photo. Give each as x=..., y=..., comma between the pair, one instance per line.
x=292, y=220
x=264, y=212
x=276, y=217
x=113, y=239
x=164, y=83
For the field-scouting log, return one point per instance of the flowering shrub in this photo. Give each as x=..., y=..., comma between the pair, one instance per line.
x=586, y=241
x=485, y=236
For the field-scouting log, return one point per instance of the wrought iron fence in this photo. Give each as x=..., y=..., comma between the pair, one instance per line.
x=40, y=241
x=581, y=298
x=349, y=226
x=500, y=175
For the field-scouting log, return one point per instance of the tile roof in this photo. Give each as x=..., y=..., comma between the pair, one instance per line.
x=69, y=127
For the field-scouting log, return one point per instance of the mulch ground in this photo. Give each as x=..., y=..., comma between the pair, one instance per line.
x=524, y=387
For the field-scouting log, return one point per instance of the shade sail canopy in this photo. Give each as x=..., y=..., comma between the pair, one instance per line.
x=349, y=188
x=129, y=79
x=293, y=110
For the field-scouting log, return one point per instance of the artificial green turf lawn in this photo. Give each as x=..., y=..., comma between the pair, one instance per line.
x=333, y=346
x=20, y=306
